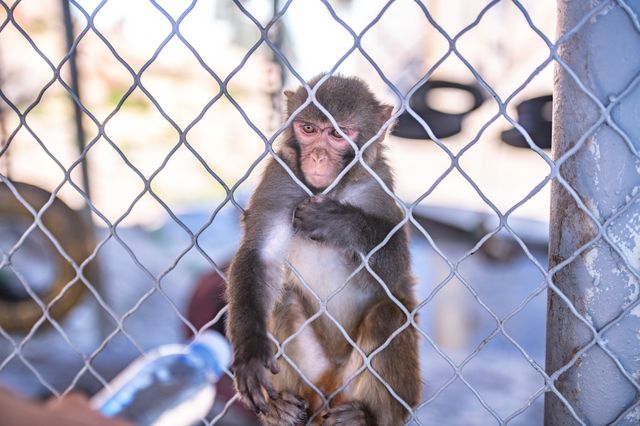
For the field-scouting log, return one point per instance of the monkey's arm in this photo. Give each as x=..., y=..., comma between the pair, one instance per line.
x=254, y=281
x=250, y=299
x=354, y=228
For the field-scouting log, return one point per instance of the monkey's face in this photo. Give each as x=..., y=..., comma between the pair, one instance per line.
x=323, y=151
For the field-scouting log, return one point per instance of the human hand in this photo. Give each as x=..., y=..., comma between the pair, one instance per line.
x=70, y=410
x=74, y=410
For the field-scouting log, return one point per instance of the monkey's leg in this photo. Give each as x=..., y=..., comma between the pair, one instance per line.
x=290, y=408
x=368, y=402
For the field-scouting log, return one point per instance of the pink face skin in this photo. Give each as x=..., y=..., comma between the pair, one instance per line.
x=322, y=150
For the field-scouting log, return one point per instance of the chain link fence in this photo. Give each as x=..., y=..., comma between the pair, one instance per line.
x=592, y=326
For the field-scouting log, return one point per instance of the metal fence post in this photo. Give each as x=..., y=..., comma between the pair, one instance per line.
x=75, y=86
x=593, y=335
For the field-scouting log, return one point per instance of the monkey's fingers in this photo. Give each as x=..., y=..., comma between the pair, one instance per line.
x=304, y=220
x=350, y=414
x=288, y=410
x=249, y=386
x=266, y=385
x=272, y=365
x=256, y=397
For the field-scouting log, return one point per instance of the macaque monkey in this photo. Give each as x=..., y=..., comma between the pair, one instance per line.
x=325, y=238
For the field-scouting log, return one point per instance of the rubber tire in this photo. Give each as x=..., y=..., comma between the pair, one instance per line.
x=74, y=234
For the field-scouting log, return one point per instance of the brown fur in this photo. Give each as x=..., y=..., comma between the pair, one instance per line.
x=333, y=230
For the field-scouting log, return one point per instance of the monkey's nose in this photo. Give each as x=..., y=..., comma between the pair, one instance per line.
x=319, y=157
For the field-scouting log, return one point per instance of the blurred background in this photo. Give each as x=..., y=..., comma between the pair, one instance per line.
x=174, y=126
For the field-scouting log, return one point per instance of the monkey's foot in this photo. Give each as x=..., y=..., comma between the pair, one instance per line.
x=350, y=414
x=287, y=410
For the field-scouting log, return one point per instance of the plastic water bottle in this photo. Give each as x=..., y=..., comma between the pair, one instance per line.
x=171, y=385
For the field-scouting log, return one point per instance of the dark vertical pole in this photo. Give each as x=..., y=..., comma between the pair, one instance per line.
x=103, y=321
x=4, y=138
x=277, y=40
x=277, y=74
x=73, y=69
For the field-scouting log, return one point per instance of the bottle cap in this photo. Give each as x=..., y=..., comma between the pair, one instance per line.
x=214, y=349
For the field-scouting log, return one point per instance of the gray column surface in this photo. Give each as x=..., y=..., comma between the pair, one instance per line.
x=602, y=280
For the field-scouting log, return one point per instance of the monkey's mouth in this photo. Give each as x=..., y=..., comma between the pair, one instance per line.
x=319, y=180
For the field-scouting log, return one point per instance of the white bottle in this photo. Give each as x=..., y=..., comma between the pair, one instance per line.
x=171, y=385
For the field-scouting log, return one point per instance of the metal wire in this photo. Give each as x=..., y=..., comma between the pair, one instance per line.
x=597, y=334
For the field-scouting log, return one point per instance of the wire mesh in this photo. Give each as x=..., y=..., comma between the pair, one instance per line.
x=89, y=26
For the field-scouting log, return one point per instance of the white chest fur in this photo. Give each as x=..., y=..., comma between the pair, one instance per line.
x=325, y=270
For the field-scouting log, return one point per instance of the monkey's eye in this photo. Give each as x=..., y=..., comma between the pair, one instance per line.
x=308, y=128
x=335, y=134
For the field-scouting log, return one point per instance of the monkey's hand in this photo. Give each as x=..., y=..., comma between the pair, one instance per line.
x=252, y=379
x=323, y=219
x=349, y=414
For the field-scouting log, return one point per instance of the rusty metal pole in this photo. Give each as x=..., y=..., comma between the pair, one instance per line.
x=601, y=277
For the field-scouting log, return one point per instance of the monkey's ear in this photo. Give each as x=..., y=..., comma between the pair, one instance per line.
x=288, y=96
x=385, y=113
